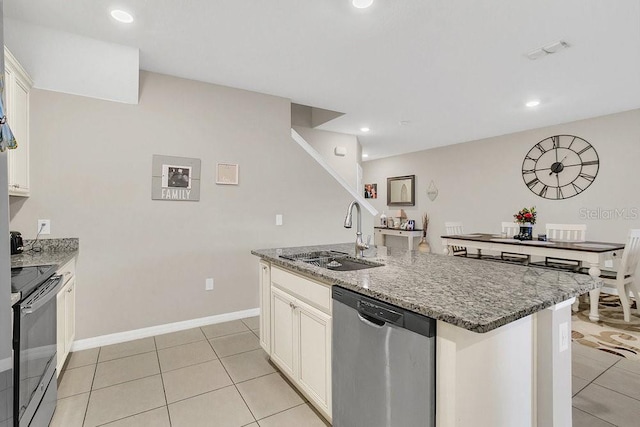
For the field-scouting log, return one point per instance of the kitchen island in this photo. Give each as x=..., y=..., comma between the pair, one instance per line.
x=503, y=355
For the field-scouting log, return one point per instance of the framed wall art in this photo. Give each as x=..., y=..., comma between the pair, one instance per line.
x=227, y=174
x=401, y=191
x=175, y=178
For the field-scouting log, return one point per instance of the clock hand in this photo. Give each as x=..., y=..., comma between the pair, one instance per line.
x=558, y=166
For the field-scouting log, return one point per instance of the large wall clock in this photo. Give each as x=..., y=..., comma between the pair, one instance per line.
x=560, y=167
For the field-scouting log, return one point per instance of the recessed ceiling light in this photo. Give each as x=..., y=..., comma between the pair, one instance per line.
x=365, y=155
x=122, y=16
x=364, y=129
x=533, y=103
x=362, y=4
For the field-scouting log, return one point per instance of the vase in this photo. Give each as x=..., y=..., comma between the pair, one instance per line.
x=423, y=246
x=526, y=231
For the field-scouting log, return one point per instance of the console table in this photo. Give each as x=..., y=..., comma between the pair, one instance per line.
x=381, y=233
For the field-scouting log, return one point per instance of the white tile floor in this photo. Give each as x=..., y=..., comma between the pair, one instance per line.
x=219, y=376
x=212, y=376
x=606, y=389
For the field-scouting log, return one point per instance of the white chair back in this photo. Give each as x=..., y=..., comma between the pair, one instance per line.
x=510, y=228
x=454, y=228
x=567, y=232
x=631, y=254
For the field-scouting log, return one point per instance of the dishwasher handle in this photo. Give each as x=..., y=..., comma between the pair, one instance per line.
x=370, y=321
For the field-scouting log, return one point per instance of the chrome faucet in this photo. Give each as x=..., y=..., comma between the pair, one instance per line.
x=360, y=245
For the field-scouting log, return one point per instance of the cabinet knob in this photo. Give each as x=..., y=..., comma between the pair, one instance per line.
x=264, y=268
x=70, y=290
x=17, y=185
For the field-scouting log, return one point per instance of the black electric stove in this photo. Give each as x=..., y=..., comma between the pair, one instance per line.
x=26, y=279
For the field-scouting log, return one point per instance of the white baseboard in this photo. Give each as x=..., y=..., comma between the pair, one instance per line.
x=120, y=337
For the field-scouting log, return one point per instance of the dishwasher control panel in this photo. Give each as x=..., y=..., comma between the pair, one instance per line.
x=379, y=312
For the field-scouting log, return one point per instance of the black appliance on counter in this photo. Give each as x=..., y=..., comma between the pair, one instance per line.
x=34, y=344
x=16, y=242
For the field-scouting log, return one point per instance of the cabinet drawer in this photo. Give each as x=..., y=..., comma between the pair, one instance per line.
x=68, y=271
x=314, y=293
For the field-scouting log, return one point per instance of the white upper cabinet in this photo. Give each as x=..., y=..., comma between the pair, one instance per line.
x=16, y=94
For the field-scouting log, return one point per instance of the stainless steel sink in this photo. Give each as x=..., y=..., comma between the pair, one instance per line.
x=332, y=260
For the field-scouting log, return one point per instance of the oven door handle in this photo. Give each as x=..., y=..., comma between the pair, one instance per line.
x=54, y=286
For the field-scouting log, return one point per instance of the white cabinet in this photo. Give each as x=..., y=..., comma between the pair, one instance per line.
x=16, y=95
x=313, y=333
x=265, y=306
x=66, y=316
x=301, y=334
x=282, y=323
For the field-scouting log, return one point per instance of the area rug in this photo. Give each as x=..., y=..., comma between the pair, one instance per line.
x=611, y=333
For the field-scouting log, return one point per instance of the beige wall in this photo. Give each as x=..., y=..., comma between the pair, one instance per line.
x=480, y=182
x=144, y=262
x=324, y=142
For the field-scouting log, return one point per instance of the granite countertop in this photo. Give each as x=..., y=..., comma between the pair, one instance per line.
x=477, y=295
x=52, y=251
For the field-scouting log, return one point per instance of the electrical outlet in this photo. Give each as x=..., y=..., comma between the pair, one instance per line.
x=44, y=226
x=608, y=263
x=208, y=284
x=279, y=219
x=563, y=336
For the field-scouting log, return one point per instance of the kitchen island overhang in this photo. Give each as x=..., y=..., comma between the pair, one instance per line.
x=503, y=352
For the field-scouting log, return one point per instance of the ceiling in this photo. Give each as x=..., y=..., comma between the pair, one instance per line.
x=453, y=70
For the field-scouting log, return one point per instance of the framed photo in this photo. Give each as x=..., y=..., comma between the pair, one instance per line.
x=371, y=191
x=175, y=178
x=227, y=174
x=401, y=191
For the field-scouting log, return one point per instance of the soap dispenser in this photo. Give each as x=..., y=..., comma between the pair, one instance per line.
x=383, y=220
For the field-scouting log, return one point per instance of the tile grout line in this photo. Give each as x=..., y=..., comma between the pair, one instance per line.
x=124, y=357
x=95, y=371
x=234, y=384
x=594, y=416
x=284, y=410
x=164, y=390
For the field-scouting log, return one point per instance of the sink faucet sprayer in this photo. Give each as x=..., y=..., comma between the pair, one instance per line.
x=360, y=245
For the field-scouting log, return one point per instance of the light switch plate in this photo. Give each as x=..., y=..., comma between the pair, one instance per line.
x=608, y=263
x=208, y=284
x=279, y=219
x=44, y=226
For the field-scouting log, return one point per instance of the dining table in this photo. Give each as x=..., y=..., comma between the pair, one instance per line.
x=591, y=254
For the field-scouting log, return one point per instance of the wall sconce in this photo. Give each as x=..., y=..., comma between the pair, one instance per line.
x=432, y=191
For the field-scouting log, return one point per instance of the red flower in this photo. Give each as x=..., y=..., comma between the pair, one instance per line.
x=528, y=215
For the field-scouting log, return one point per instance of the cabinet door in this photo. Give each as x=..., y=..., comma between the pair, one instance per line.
x=282, y=324
x=314, y=354
x=265, y=307
x=70, y=314
x=60, y=329
x=18, y=118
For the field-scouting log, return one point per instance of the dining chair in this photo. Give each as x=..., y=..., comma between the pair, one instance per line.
x=456, y=228
x=564, y=233
x=624, y=280
x=511, y=229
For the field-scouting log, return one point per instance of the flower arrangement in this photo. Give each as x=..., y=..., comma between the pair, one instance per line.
x=526, y=215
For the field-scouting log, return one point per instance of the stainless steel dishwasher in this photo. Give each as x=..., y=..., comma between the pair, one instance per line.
x=383, y=366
